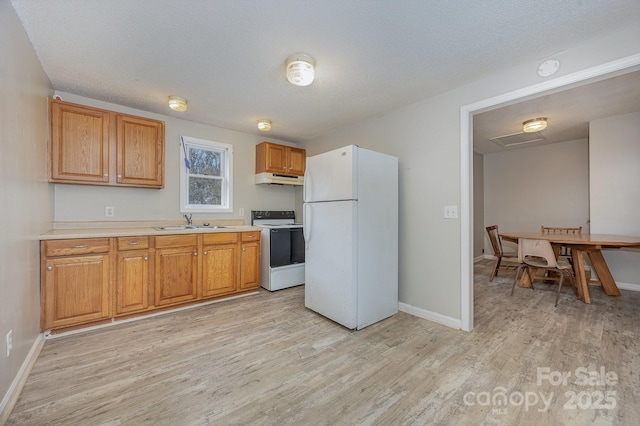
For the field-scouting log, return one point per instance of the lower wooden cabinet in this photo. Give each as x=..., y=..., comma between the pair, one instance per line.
x=90, y=280
x=76, y=284
x=220, y=264
x=250, y=260
x=133, y=275
x=176, y=269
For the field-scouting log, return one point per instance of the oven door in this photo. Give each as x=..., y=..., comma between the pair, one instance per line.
x=297, y=245
x=280, y=247
x=286, y=246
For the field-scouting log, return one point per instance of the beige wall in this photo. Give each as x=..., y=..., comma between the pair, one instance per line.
x=426, y=138
x=614, y=156
x=529, y=187
x=26, y=199
x=86, y=203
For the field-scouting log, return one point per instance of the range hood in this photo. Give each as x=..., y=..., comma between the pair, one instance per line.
x=278, y=179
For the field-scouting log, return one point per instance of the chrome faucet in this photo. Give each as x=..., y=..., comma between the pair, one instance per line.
x=188, y=218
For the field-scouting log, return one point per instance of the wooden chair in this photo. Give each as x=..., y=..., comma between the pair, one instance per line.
x=553, y=230
x=561, y=250
x=498, y=252
x=539, y=254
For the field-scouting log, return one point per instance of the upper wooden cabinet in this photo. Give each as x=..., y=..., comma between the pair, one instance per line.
x=140, y=146
x=274, y=158
x=79, y=144
x=98, y=147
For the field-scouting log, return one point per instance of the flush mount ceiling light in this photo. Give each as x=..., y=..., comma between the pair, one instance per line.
x=177, y=103
x=264, y=125
x=535, y=124
x=300, y=69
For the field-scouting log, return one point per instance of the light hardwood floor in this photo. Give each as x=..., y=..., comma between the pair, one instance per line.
x=266, y=360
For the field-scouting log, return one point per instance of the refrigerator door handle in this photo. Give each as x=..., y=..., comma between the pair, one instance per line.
x=305, y=185
x=306, y=232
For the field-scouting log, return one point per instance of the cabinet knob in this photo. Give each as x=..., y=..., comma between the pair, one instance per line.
x=195, y=254
x=133, y=243
x=244, y=249
x=105, y=175
x=146, y=258
x=119, y=176
x=49, y=268
x=80, y=246
x=251, y=236
x=205, y=253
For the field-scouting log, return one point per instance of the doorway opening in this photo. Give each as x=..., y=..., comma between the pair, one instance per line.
x=466, y=159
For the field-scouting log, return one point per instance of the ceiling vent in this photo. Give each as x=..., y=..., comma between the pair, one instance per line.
x=515, y=139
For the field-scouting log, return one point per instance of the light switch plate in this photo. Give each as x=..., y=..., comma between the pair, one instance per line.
x=450, y=212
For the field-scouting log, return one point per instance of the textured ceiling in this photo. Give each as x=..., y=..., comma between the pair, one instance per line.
x=228, y=57
x=568, y=111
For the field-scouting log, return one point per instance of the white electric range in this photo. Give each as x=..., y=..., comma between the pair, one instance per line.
x=282, y=256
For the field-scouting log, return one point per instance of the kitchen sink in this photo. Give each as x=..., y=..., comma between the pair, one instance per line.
x=185, y=227
x=174, y=228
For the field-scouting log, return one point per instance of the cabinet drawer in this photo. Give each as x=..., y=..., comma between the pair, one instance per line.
x=133, y=243
x=176, y=240
x=251, y=236
x=77, y=246
x=220, y=238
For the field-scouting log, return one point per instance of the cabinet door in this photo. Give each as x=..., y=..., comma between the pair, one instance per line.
x=220, y=269
x=250, y=264
x=297, y=159
x=132, y=283
x=175, y=275
x=76, y=290
x=140, y=146
x=79, y=144
x=276, y=158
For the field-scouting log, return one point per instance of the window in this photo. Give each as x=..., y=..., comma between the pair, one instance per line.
x=205, y=176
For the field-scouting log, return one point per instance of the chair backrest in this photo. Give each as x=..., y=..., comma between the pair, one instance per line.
x=495, y=240
x=553, y=230
x=531, y=250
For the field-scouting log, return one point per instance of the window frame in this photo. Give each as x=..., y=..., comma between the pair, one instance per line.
x=226, y=165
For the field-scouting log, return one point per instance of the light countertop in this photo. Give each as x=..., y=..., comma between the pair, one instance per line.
x=63, y=231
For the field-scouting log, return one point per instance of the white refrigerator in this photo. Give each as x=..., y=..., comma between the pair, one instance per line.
x=350, y=227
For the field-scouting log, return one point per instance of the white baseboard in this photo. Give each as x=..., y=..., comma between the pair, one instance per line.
x=11, y=397
x=432, y=316
x=627, y=286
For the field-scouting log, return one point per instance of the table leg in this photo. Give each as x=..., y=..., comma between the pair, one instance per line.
x=606, y=279
x=524, y=280
x=581, y=278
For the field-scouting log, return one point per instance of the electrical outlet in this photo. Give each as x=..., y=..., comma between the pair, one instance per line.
x=109, y=211
x=9, y=342
x=241, y=212
x=450, y=212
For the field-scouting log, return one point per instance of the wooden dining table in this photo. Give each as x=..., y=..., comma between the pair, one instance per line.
x=592, y=245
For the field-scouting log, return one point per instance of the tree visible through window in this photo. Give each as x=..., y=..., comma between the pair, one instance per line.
x=206, y=175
